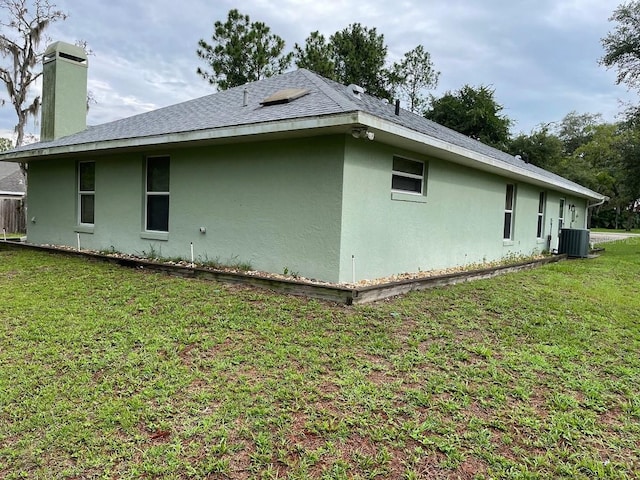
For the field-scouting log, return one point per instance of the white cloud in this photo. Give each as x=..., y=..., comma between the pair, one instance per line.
x=123, y=87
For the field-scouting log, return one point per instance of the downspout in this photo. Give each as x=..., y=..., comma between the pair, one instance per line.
x=604, y=199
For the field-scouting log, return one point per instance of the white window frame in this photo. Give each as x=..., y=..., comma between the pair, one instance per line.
x=400, y=173
x=509, y=211
x=86, y=193
x=542, y=202
x=149, y=193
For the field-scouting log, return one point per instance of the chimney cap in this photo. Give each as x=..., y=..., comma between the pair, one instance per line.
x=65, y=50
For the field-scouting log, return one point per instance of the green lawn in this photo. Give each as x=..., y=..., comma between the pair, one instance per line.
x=107, y=372
x=10, y=235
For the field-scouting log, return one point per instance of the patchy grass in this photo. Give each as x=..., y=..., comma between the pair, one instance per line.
x=107, y=372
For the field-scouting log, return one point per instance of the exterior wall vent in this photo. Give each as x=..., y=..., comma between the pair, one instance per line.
x=284, y=96
x=72, y=57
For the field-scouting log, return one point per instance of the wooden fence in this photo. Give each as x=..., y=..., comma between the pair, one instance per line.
x=12, y=215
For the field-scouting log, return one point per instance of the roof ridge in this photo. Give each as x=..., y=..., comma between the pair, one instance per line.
x=340, y=98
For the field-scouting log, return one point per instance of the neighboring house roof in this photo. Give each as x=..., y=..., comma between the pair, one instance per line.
x=11, y=180
x=328, y=107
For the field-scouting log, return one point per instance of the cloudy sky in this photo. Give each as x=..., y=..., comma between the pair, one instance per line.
x=540, y=56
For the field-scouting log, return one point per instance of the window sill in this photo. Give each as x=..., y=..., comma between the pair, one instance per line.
x=508, y=243
x=541, y=240
x=83, y=229
x=155, y=235
x=408, y=197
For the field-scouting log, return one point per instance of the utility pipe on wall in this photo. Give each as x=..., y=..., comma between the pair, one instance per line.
x=353, y=268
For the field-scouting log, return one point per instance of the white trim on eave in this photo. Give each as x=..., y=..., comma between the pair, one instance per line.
x=197, y=136
x=385, y=130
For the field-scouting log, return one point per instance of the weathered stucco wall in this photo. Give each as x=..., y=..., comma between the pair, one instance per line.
x=458, y=221
x=51, y=202
x=309, y=206
x=263, y=204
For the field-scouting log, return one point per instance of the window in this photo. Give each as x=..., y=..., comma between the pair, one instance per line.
x=86, y=192
x=407, y=176
x=561, y=216
x=157, y=194
x=508, y=212
x=540, y=230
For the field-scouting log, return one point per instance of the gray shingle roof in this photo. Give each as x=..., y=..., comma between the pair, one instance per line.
x=326, y=97
x=7, y=168
x=221, y=109
x=11, y=178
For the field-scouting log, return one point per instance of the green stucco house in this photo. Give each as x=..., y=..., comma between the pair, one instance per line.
x=293, y=171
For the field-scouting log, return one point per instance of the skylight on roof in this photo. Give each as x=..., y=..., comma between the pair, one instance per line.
x=284, y=96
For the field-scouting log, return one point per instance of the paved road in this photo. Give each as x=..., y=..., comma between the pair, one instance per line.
x=602, y=237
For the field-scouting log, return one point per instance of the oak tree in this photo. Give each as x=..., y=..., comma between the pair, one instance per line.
x=541, y=148
x=24, y=23
x=622, y=45
x=575, y=129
